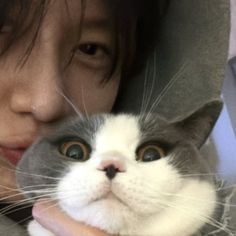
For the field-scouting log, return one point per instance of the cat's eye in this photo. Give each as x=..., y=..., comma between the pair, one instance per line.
x=76, y=150
x=150, y=152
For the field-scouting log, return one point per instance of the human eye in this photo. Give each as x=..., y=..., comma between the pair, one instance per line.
x=92, y=49
x=9, y=21
x=94, y=54
x=6, y=28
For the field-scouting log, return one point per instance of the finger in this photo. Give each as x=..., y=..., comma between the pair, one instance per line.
x=52, y=218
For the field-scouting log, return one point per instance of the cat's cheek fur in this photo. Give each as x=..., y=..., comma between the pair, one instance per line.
x=81, y=186
x=192, y=208
x=147, y=187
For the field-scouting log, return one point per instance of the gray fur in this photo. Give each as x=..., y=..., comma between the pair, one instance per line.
x=45, y=160
x=9, y=227
x=184, y=136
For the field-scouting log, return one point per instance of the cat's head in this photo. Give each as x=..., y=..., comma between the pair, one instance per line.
x=117, y=171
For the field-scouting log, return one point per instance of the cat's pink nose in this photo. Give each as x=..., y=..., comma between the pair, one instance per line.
x=111, y=167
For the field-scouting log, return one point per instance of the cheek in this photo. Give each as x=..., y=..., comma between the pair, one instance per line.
x=149, y=188
x=81, y=186
x=88, y=93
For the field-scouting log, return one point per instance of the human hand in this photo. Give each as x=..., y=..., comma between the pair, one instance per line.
x=54, y=220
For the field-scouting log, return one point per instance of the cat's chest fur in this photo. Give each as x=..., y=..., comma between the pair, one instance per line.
x=128, y=175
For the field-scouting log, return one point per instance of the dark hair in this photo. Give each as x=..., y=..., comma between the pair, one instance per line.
x=136, y=21
x=149, y=17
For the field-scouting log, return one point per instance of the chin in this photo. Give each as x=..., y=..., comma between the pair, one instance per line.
x=108, y=214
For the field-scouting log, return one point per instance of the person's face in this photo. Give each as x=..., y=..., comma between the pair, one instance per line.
x=31, y=96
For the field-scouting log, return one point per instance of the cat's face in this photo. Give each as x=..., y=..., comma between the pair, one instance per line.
x=122, y=172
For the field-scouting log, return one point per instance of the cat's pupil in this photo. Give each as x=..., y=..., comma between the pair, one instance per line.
x=75, y=151
x=151, y=154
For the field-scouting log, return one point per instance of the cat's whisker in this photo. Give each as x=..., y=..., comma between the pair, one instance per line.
x=43, y=165
x=28, y=174
x=199, y=175
x=15, y=207
x=39, y=185
x=218, y=225
x=148, y=93
x=39, y=176
x=9, y=197
x=7, y=188
x=197, y=199
x=189, y=212
x=83, y=103
x=142, y=109
x=210, y=174
x=73, y=106
x=57, y=168
x=60, y=165
x=205, y=219
x=164, y=91
x=23, y=188
x=25, y=219
x=226, y=187
x=29, y=202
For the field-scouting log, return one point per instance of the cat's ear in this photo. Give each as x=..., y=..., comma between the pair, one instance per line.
x=198, y=125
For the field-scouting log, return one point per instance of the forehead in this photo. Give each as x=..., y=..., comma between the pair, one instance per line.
x=120, y=132
x=103, y=132
x=97, y=9
x=106, y=130
x=71, y=11
x=155, y=128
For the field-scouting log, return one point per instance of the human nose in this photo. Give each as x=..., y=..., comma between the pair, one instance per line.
x=39, y=95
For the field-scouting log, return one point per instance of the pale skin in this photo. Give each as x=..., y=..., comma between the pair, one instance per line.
x=31, y=96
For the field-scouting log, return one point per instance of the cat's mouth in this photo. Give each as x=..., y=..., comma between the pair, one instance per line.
x=111, y=196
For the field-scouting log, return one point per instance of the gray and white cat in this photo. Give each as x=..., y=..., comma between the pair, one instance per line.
x=128, y=175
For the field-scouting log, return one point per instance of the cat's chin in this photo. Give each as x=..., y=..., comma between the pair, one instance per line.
x=115, y=217
x=112, y=198
x=108, y=213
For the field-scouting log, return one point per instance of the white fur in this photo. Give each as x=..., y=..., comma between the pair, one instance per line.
x=35, y=229
x=146, y=199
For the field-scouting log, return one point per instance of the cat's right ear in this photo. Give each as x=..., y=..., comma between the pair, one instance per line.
x=198, y=125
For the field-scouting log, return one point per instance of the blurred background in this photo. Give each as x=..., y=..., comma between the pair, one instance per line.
x=224, y=133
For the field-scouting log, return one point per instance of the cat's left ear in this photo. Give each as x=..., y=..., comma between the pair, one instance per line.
x=198, y=125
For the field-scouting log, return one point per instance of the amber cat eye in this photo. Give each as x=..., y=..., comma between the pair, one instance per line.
x=76, y=150
x=150, y=152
